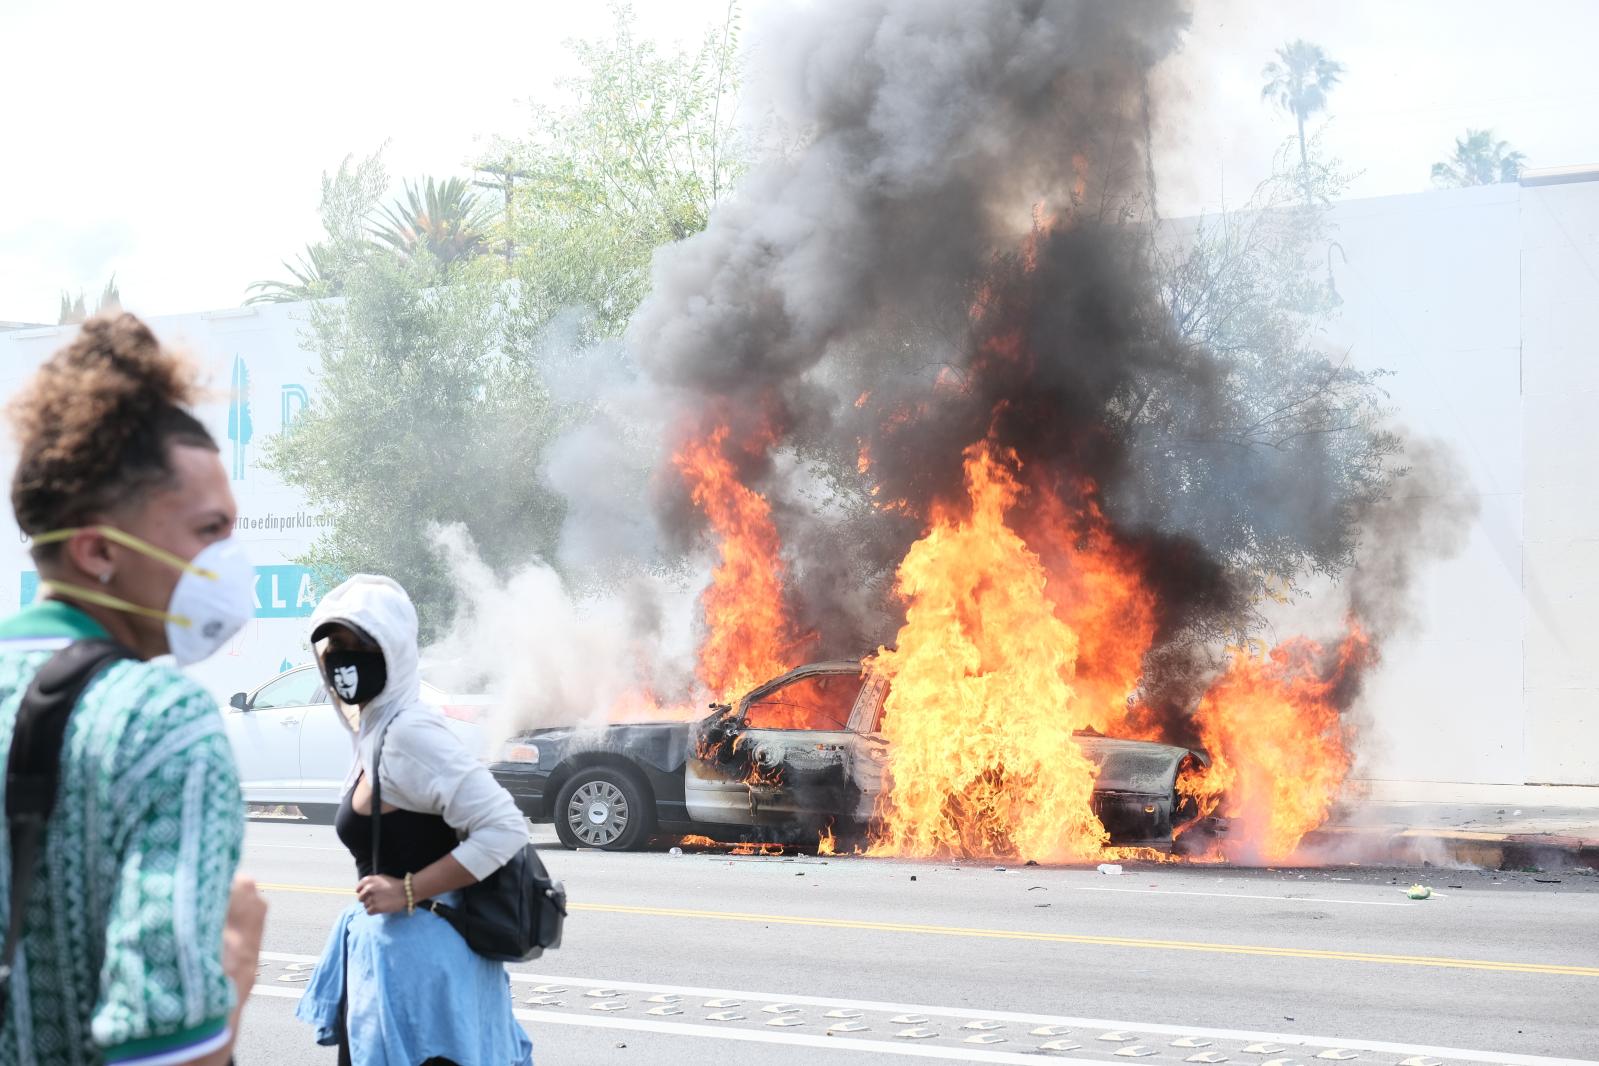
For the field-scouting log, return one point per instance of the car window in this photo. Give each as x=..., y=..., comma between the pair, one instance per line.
x=821, y=701
x=302, y=688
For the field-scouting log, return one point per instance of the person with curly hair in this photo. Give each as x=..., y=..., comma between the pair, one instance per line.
x=136, y=944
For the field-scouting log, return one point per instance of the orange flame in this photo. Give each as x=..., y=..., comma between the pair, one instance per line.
x=1098, y=592
x=981, y=709
x=640, y=704
x=748, y=638
x=826, y=842
x=1279, y=745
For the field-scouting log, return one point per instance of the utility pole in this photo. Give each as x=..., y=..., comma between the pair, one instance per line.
x=506, y=186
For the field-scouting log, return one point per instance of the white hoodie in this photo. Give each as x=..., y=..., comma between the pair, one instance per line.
x=425, y=767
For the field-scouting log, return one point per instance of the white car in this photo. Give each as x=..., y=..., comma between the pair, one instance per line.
x=292, y=749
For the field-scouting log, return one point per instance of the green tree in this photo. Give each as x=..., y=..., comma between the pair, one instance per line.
x=421, y=416
x=1298, y=81
x=638, y=157
x=431, y=407
x=1479, y=159
x=1252, y=289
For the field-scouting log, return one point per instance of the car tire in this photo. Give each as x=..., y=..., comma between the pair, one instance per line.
x=606, y=808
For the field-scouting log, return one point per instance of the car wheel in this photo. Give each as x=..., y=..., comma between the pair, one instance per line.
x=604, y=807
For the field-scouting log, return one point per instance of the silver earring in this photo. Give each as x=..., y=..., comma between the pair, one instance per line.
x=105, y=578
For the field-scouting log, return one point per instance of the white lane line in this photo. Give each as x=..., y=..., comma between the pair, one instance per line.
x=1234, y=895
x=277, y=991
x=757, y=1036
x=1244, y=1035
x=753, y=1036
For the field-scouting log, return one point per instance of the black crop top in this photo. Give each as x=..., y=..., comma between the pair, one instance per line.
x=411, y=841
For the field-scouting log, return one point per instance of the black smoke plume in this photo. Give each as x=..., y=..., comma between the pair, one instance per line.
x=961, y=247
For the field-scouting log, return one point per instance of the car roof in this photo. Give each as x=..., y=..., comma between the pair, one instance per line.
x=427, y=685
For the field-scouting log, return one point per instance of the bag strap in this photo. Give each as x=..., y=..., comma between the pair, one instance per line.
x=377, y=792
x=33, y=766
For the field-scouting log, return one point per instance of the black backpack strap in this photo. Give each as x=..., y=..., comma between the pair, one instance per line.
x=33, y=767
x=377, y=793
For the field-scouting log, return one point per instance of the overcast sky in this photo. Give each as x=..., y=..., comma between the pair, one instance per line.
x=183, y=149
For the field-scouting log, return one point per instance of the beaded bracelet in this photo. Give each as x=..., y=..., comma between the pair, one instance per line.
x=410, y=897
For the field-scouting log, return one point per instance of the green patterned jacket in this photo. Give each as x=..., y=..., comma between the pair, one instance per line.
x=122, y=957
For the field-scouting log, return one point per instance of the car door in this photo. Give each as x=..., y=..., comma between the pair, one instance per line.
x=783, y=756
x=466, y=716
x=327, y=748
x=869, y=753
x=265, y=734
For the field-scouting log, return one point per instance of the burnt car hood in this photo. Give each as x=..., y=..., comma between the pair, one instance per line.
x=663, y=745
x=1135, y=765
x=622, y=729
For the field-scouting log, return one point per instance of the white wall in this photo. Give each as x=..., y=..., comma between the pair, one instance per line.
x=1484, y=303
x=1560, y=555
x=264, y=343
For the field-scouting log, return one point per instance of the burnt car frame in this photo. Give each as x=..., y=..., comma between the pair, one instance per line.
x=748, y=772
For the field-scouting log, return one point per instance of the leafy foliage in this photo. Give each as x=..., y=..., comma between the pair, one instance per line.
x=431, y=407
x=421, y=417
x=638, y=159
x=348, y=196
x=1478, y=159
x=1251, y=290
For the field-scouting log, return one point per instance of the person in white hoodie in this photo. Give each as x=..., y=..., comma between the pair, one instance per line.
x=396, y=984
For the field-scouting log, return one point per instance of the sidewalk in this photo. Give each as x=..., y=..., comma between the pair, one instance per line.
x=1493, y=826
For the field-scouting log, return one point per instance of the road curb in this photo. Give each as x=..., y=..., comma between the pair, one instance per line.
x=1492, y=851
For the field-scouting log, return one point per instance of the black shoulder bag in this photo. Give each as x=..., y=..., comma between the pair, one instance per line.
x=514, y=914
x=33, y=772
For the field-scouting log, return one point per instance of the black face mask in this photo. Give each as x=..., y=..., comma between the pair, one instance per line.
x=356, y=677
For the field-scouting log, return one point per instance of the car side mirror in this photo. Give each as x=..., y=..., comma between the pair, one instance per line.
x=240, y=701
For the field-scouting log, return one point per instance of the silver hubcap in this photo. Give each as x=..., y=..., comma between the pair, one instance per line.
x=598, y=813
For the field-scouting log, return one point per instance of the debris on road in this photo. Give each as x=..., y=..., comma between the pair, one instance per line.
x=1419, y=892
x=1110, y=869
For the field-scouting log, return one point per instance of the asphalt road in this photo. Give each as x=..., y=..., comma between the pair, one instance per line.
x=966, y=963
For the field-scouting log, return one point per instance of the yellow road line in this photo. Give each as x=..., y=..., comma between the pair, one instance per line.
x=1049, y=938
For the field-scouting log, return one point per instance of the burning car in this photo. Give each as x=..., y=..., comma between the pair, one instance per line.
x=798, y=756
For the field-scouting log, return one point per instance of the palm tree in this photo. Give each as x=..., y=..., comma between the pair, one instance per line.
x=315, y=275
x=1298, y=81
x=446, y=218
x=75, y=312
x=1478, y=160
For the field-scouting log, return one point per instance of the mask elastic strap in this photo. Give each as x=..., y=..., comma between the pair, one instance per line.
x=115, y=603
x=128, y=540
